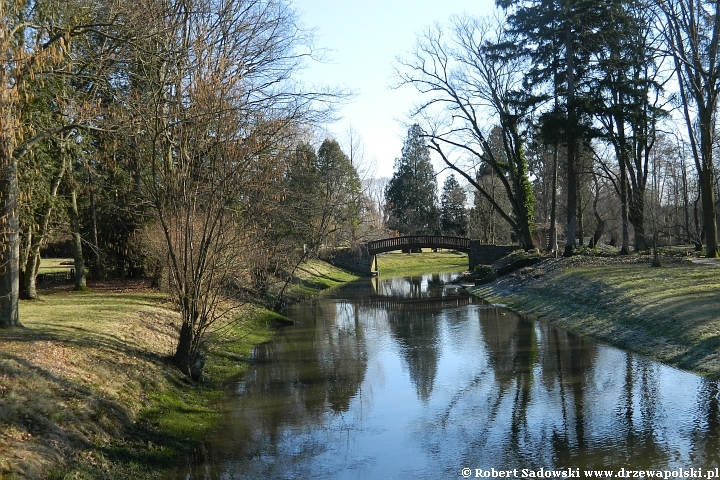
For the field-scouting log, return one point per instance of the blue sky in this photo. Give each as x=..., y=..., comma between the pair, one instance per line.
x=363, y=39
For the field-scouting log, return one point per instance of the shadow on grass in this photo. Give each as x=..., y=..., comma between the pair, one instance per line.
x=79, y=429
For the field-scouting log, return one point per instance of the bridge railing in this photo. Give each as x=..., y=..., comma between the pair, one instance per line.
x=418, y=241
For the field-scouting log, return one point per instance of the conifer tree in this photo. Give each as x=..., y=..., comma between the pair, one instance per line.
x=453, y=216
x=559, y=37
x=411, y=194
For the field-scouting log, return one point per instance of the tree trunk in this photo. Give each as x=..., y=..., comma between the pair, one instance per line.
x=686, y=202
x=637, y=219
x=581, y=230
x=571, y=200
x=99, y=271
x=183, y=353
x=572, y=176
x=80, y=278
x=599, y=222
x=624, y=214
x=708, y=212
x=9, y=227
x=32, y=260
x=552, y=245
x=28, y=284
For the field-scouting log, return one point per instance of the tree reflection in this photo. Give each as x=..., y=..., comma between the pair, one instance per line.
x=417, y=335
x=487, y=389
x=293, y=382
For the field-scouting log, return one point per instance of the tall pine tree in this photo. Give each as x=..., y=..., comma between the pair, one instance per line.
x=559, y=37
x=411, y=194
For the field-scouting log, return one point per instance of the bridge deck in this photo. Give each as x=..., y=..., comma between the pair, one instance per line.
x=418, y=241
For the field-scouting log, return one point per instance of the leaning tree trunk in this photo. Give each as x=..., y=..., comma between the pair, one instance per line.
x=28, y=285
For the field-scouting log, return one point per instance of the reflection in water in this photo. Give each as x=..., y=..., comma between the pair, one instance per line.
x=386, y=381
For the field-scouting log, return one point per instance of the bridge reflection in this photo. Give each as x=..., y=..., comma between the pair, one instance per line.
x=427, y=293
x=415, y=304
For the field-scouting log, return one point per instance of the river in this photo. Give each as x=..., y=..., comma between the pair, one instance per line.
x=409, y=378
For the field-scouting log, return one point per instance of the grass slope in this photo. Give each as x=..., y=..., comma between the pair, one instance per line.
x=671, y=313
x=86, y=391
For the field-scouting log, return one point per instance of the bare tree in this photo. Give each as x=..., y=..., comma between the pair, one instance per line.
x=692, y=32
x=469, y=90
x=213, y=104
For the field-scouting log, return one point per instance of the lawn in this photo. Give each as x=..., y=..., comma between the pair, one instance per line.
x=396, y=263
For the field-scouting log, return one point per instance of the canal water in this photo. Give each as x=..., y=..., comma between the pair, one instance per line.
x=411, y=378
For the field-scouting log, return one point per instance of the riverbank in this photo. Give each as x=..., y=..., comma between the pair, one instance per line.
x=670, y=313
x=86, y=390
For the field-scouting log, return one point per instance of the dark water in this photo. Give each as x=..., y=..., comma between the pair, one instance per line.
x=407, y=379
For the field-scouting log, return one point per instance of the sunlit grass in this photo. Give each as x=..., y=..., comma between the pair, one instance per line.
x=315, y=276
x=414, y=263
x=54, y=265
x=88, y=374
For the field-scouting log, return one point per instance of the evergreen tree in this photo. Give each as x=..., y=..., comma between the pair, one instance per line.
x=628, y=105
x=411, y=194
x=453, y=216
x=323, y=200
x=340, y=193
x=559, y=38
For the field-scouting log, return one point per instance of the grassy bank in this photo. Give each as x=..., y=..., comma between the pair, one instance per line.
x=86, y=391
x=392, y=263
x=671, y=313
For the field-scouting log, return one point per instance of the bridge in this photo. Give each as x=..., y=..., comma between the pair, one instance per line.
x=366, y=258
x=415, y=242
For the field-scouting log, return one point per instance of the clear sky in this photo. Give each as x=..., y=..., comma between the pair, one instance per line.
x=363, y=39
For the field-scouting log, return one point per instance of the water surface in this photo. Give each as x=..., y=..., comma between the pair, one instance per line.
x=409, y=378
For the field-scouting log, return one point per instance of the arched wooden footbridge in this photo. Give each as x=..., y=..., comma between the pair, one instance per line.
x=415, y=242
x=477, y=252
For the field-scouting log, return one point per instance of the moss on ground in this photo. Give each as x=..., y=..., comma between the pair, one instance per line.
x=671, y=314
x=86, y=390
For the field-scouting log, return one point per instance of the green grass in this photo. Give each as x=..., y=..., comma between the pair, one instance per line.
x=86, y=388
x=671, y=313
x=395, y=263
x=55, y=265
x=315, y=276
